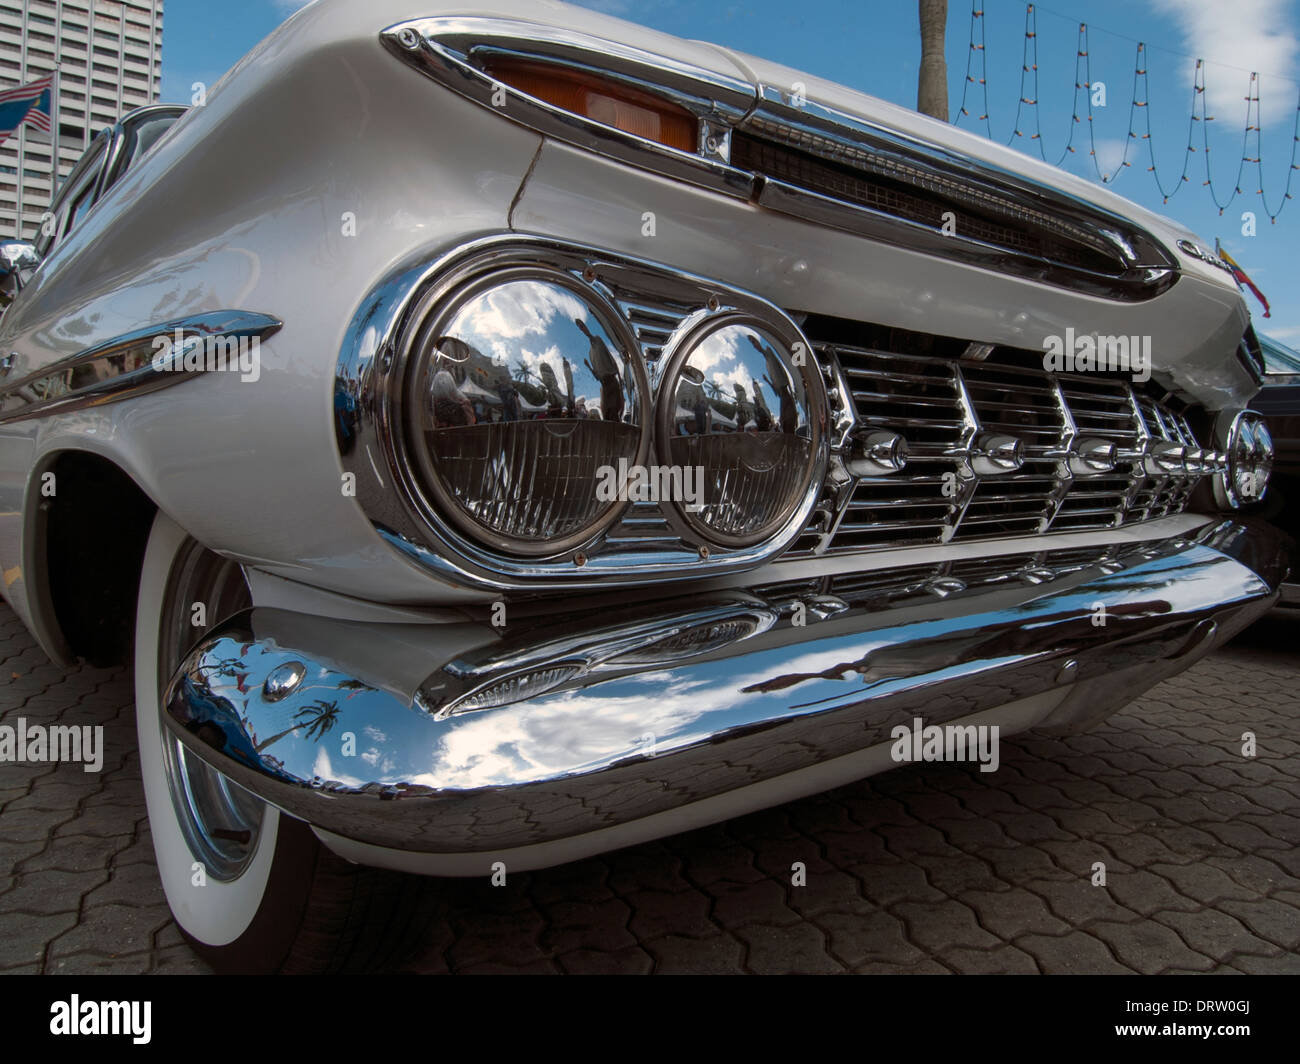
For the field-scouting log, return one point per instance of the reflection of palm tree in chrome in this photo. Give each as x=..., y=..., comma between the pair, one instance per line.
x=762, y=415
x=317, y=717
x=524, y=385
x=719, y=400
x=231, y=667
x=603, y=367
x=776, y=372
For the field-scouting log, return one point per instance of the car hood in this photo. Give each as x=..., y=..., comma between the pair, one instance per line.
x=1203, y=315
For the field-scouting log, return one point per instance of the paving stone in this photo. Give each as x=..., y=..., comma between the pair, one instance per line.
x=1078, y=953
x=49, y=891
x=999, y=960
x=112, y=930
x=936, y=928
x=631, y=960
x=675, y=954
x=27, y=936
x=794, y=950
x=1148, y=947
x=1216, y=934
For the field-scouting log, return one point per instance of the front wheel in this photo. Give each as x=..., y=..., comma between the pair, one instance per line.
x=251, y=888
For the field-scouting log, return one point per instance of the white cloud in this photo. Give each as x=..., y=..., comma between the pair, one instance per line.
x=1110, y=154
x=1259, y=35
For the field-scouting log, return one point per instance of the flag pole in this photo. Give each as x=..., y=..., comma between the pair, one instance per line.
x=54, y=133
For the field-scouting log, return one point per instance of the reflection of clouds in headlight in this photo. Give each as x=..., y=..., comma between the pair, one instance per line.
x=727, y=381
x=517, y=310
x=551, y=356
x=723, y=346
x=741, y=357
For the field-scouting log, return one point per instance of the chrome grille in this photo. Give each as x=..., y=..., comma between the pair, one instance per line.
x=941, y=406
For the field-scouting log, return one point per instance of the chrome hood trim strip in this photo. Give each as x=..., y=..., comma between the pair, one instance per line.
x=125, y=366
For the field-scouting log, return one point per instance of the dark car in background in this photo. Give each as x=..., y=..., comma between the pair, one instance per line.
x=1279, y=402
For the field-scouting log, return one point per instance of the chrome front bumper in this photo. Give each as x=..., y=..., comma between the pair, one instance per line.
x=672, y=714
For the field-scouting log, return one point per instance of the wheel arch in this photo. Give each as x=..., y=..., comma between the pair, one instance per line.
x=87, y=525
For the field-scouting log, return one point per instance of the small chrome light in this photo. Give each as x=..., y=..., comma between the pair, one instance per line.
x=877, y=453
x=1091, y=457
x=532, y=683
x=994, y=455
x=1249, y=461
x=693, y=641
x=1262, y=456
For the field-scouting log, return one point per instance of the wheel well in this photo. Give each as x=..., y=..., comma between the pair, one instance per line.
x=96, y=527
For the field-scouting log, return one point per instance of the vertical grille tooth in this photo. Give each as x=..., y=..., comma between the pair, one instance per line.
x=1011, y=401
x=941, y=406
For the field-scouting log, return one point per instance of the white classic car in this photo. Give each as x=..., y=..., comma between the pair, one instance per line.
x=501, y=438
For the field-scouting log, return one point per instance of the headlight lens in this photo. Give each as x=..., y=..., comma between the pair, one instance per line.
x=520, y=393
x=735, y=407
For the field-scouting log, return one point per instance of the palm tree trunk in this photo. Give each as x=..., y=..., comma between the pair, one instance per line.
x=932, y=79
x=275, y=738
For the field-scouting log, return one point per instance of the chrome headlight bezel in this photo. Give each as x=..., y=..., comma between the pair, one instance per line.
x=655, y=304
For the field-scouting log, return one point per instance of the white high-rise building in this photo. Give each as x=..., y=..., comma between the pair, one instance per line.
x=109, y=57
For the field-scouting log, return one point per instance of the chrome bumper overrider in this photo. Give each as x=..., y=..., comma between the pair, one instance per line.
x=371, y=733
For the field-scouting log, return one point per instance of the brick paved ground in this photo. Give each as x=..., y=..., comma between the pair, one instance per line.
x=940, y=869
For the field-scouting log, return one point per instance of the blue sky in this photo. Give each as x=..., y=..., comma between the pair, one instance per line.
x=874, y=45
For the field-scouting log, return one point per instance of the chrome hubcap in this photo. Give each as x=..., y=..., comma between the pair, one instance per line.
x=221, y=821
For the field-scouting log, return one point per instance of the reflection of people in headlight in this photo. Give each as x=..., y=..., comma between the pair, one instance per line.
x=450, y=408
x=744, y=408
x=604, y=368
x=509, y=394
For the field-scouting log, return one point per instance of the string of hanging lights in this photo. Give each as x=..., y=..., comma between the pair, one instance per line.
x=1028, y=121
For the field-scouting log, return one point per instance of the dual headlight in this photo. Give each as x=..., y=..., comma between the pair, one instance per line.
x=530, y=424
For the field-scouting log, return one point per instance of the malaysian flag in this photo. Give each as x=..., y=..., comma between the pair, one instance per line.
x=27, y=105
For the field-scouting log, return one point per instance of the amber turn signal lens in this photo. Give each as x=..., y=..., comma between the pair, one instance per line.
x=600, y=100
